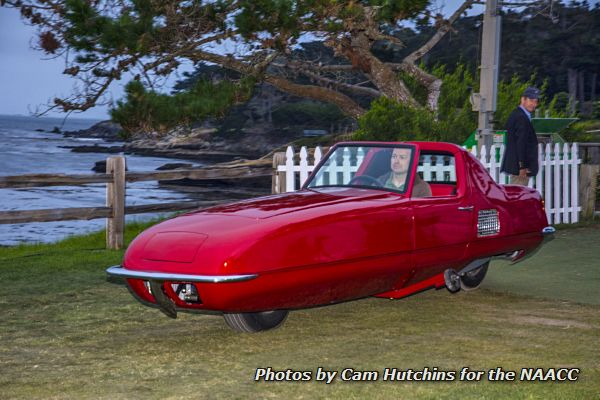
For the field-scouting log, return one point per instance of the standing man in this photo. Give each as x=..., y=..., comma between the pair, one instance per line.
x=520, y=156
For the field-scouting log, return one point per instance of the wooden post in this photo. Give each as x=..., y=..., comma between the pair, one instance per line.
x=588, y=181
x=115, y=200
x=278, y=180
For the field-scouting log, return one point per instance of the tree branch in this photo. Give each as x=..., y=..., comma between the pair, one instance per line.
x=420, y=52
x=382, y=76
x=90, y=99
x=160, y=36
x=432, y=83
x=305, y=69
x=429, y=81
x=216, y=38
x=345, y=103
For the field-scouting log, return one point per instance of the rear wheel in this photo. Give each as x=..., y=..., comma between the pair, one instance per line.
x=255, y=322
x=472, y=279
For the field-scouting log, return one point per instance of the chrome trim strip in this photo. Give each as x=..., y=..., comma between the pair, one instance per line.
x=122, y=272
x=548, y=234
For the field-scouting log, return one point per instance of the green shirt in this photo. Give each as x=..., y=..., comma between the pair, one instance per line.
x=390, y=184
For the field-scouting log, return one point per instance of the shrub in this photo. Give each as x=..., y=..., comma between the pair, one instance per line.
x=308, y=114
x=148, y=111
x=455, y=120
x=388, y=120
x=583, y=131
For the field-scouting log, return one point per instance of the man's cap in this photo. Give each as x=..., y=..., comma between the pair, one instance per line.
x=531, y=93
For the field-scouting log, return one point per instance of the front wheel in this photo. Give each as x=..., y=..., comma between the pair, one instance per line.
x=472, y=279
x=255, y=322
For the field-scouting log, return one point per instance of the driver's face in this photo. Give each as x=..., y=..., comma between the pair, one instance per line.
x=400, y=160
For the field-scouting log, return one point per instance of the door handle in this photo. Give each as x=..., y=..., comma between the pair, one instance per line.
x=467, y=208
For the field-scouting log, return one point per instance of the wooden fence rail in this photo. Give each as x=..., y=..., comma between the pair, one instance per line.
x=33, y=180
x=54, y=214
x=116, y=179
x=87, y=213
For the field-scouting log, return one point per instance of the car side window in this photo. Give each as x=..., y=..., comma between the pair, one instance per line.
x=438, y=170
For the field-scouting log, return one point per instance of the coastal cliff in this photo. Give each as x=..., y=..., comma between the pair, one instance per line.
x=201, y=144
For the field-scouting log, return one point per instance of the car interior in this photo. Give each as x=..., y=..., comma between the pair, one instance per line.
x=437, y=169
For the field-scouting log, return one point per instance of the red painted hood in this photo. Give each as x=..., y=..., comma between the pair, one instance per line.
x=201, y=241
x=271, y=206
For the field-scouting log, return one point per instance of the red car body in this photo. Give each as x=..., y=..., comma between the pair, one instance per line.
x=330, y=243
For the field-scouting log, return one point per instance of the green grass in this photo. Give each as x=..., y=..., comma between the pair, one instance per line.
x=67, y=333
x=567, y=268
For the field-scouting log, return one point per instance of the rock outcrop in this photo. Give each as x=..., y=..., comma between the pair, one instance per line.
x=207, y=145
x=106, y=130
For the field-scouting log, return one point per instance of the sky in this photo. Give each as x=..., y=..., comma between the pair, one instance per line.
x=29, y=79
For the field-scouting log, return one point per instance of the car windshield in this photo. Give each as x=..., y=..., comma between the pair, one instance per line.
x=385, y=167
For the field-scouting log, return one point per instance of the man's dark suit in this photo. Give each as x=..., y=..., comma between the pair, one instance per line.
x=521, y=145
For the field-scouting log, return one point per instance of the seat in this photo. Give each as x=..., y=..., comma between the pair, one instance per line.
x=442, y=189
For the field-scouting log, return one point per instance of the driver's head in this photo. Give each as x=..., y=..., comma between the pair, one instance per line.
x=399, y=161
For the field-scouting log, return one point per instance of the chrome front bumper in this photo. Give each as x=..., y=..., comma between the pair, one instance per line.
x=122, y=272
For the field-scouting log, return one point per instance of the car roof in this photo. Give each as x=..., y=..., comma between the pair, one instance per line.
x=430, y=146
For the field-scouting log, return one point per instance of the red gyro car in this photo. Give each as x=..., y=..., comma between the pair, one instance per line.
x=373, y=219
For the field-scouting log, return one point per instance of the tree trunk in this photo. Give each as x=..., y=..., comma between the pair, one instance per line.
x=345, y=103
x=430, y=82
x=380, y=74
x=270, y=118
x=581, y=87
x=572, y=77
x=593, y=86
x=269, y=101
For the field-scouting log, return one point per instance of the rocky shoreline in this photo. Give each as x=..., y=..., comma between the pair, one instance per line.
x=184, y=143
x=192, y=144
x=106, y=130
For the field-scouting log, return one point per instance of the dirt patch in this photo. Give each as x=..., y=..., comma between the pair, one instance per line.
x=565, y=323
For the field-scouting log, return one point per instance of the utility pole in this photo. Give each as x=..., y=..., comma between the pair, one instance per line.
x=485, y=100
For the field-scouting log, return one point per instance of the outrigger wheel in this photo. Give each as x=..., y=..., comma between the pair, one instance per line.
x=452, y=280
x=255, y=322
x=472, y=279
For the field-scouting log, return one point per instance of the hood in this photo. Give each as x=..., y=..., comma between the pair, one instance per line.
x=205, y=239
x=271, y=206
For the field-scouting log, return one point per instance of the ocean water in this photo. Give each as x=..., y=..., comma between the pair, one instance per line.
x=26, y=150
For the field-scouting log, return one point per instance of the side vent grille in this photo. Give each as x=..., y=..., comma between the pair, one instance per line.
x=488, y=223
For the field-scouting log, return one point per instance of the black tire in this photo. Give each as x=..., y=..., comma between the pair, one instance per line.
x=472, y=279
x=255, y=322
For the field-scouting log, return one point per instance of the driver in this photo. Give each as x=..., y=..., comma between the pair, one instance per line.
x=396, y=178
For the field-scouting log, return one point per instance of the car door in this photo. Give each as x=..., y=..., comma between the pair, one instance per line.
x=443, y=222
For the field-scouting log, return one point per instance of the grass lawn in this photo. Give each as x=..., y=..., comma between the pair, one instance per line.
x=567, y=268
x=67, y=333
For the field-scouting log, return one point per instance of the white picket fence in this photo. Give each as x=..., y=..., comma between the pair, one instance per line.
x=557, y=180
